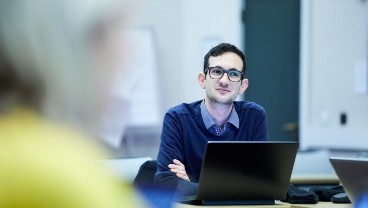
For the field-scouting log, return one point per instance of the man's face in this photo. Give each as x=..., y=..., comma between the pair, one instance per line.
x=223, y=91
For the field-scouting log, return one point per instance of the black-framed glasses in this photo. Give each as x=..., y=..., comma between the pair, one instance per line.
x=217, y=72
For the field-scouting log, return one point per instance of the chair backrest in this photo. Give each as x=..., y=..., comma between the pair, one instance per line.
x=158, y=195
x=146, y=173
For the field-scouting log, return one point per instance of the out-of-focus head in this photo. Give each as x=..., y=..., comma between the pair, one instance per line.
x=58, y=56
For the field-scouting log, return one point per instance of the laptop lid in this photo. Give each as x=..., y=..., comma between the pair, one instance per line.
x=353, y=175
x=246, y=170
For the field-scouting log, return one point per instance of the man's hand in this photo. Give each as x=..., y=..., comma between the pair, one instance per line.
x=179, y=169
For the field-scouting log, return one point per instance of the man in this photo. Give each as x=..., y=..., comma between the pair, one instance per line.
x=188, y=127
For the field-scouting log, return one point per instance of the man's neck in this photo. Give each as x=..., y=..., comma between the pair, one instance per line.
x=219, y=112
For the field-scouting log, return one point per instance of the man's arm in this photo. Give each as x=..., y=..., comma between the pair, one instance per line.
x=179, y=169
x=171, y=148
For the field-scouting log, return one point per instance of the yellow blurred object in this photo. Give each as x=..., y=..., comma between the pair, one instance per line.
x=43, y=164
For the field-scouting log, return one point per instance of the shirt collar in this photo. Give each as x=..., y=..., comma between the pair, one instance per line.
x=208, y=120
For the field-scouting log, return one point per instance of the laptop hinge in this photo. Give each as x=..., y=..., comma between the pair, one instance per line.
x=238, y=202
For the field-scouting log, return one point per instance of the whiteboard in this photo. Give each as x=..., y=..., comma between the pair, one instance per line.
x=141, y=64
x=332, y=45
x=135, y=98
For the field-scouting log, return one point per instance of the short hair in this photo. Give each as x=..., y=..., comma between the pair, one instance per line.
x=221, y=49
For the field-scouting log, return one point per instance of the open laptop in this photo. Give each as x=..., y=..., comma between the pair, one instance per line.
x=245, y=172
x=353, y=175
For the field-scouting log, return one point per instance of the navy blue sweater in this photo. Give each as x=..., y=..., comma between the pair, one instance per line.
x=184, y=137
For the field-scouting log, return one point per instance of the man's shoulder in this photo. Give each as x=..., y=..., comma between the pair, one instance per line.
x=186, y=108
x=247, y=105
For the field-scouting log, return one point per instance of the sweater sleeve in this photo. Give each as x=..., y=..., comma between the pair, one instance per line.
x=260, y=127
x=171, y=148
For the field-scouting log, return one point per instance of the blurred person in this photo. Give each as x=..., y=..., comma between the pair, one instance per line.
x=218, y=117
x=57, y=62
x=362, y=200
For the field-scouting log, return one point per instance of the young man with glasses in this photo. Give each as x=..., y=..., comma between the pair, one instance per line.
x=188, y=127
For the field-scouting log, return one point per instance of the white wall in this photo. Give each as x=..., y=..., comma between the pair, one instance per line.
x=205, y=24
x=185, y=30
x=333, y=41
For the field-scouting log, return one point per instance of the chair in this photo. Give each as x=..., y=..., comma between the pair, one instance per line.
x=157, y=194
x=146, y=173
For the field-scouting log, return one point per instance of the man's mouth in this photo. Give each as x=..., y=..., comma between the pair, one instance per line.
x=223, y=90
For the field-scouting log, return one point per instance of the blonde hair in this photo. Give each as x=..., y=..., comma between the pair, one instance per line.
x=47, y=55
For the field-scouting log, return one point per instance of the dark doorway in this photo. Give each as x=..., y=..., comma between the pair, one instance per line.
x=272, y=52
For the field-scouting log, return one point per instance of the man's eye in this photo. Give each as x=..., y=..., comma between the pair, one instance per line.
x=217, y=71
x=234, y=74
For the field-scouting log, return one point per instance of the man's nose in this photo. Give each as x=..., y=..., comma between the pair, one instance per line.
x=224, y=79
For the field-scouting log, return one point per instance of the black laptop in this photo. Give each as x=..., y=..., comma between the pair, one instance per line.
x=245, y=172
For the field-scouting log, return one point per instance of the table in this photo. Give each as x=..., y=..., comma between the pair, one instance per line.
x=277, y=205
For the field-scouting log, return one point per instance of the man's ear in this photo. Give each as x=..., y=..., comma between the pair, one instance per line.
x=202, y=80
x=243, y=86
